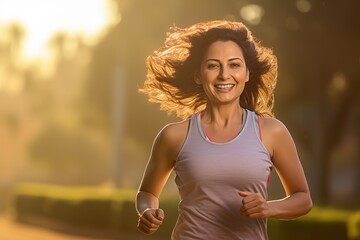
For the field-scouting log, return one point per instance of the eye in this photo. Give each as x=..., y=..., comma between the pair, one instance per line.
x=235, y=65
x=212, y=66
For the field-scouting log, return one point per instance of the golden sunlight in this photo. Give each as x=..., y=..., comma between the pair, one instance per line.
x=41, y=19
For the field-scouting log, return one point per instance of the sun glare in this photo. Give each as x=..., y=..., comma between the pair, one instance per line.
x=42, y=18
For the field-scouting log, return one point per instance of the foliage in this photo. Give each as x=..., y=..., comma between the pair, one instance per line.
x=317, y=95
x=113, y=211
x=354, y=226
x=320, y=223
x=79, y=206
x=71, y=152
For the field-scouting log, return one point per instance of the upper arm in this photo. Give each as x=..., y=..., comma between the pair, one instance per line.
x=163, y=155
x=284, y=156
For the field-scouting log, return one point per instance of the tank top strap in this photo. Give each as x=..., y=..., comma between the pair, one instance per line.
x=254, y=118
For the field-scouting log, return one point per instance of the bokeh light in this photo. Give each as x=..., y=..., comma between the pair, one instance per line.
x=252, y=13
x=303, y=6
x=41, y=19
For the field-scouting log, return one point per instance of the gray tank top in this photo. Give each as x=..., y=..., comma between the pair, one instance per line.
x=209, y=176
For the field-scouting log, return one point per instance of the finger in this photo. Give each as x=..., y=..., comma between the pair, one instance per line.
x=151, y=216
x=146, y=230
x=249, y=205
x=160, y=214
x=254, y=210
x=247, y=196
x=255, y=203
x=243, y=211
x=150, y=222
x=252, y=197
x=252, y=213
x=252, y=204
x=244, y=193
x=147, y=223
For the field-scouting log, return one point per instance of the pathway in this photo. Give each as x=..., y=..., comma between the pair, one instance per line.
x=12, y=230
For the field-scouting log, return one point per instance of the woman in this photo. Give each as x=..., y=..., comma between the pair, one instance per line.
x=221, y=81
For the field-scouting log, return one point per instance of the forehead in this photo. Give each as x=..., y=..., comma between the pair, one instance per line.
x=220, y=49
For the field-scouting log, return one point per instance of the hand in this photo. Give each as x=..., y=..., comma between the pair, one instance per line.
x=254, y=205
x=150, y=220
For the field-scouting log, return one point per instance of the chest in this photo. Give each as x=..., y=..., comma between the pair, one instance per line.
x=238, y=164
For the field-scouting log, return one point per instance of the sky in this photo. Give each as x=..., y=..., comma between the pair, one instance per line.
x=42, y=18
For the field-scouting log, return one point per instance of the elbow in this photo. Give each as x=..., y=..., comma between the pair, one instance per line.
x=305, y=206
x=309, y=205
x=306, y=203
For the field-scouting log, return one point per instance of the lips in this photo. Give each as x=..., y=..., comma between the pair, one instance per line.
x=224, y=86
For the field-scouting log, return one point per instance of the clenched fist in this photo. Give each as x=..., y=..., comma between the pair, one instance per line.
x=150, y=220
x=254, y=205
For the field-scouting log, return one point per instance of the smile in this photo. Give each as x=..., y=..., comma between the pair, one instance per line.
x=224, y=86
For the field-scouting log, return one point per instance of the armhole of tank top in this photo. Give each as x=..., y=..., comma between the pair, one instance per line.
x=256, y=120
x=260, y=133
x=257, y=126
x=186, y=138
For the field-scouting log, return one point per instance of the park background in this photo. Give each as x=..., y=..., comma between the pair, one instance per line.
x=71, y=114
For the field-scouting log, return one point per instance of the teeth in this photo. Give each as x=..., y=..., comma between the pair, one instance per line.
x=224, y=86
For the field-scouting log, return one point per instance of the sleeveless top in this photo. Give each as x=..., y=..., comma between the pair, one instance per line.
x=209, y=176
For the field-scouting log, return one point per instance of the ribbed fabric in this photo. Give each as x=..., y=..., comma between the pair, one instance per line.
x=209, y=176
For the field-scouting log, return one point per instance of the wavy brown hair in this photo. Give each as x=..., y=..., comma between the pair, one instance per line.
x=171, y=69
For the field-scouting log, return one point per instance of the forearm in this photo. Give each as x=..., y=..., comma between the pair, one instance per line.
x=145, y=200
x=294, y=206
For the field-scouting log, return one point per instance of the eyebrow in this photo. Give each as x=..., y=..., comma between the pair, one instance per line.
x=230, y=59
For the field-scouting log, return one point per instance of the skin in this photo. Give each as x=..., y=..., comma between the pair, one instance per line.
x=223, y=75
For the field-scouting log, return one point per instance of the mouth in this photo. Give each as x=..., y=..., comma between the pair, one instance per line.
x=224, y=86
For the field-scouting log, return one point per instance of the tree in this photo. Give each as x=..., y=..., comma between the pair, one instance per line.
x=317, y=47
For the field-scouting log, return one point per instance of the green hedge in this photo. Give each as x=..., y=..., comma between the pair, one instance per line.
x=320, y=223
x=354, y=226
x=115, y=212
x=87, y=207
x=109, y=212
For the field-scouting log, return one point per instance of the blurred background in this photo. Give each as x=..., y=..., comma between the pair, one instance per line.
x=71, y=114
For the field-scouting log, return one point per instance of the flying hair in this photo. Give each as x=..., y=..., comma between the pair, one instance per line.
x=172, y=68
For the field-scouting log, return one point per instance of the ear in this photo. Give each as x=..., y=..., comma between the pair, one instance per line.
x=197, y=78
x=247, y=75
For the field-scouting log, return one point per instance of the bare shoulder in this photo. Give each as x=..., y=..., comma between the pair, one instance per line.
x=273, y=126
x=173, y=136
x=274, y=134
x=176, y=130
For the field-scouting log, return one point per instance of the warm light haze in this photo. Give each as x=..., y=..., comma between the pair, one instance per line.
x=42, y=18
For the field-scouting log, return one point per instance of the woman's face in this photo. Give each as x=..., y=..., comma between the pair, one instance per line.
x=223, y=72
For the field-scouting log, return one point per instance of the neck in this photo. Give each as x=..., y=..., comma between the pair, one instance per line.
x=222, y=115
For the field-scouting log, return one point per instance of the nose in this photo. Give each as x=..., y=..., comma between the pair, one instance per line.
x=224, y=73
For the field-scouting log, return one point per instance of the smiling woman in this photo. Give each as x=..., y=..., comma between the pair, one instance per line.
x=223, y=71
x=41, y=19
x=221, y=81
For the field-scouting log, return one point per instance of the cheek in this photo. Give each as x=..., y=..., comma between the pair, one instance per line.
x=208, y=77
x=241, y=76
